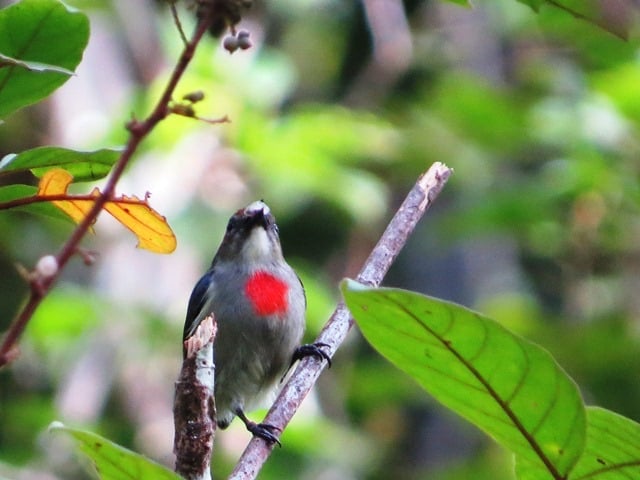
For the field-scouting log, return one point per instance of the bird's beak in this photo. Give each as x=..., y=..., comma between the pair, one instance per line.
x=257, y=217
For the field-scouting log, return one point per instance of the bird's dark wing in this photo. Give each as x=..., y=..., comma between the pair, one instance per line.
x=197, y=302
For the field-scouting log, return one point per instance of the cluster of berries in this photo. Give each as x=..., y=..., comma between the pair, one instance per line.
x=240, y=40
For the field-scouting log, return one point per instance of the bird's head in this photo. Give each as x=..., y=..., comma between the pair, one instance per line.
x=251, y=236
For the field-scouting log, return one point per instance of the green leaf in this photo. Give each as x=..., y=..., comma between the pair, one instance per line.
x=591, y=11
x=465, y=3
x=534, y=4
x=114, y=462
x=612, y=450
x=507, y=386
x=13, y=192
x=33, y=32
x=83, y=166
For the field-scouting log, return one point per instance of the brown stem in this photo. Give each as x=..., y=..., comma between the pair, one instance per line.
x=138, y=130
x=373, y=271
x=21, y=202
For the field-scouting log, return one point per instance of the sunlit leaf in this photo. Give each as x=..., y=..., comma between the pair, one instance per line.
x=82, y=165
x=505, y=385
x=149, y=226
x=114, y=462
x=56, y=182
x=612, y=450
x=33, y=32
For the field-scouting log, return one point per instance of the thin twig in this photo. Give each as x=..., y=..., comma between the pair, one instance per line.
x=63, y=197
x=385, y=252
x=176, y=20
x=138, y=130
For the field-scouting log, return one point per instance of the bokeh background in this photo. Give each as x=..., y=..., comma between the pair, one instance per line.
x=335, y=111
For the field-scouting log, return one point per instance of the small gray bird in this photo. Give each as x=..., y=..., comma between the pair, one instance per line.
x=259, y=305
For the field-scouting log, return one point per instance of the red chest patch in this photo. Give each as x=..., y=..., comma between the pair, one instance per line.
x=268, y=294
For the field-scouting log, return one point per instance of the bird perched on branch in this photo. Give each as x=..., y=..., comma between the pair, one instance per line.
x=259, y=305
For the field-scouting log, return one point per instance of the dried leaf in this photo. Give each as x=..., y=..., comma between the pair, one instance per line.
x=149, y=226
x=56, y=182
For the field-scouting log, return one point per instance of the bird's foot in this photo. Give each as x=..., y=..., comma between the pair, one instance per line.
x=311, y=350
x=265, y=431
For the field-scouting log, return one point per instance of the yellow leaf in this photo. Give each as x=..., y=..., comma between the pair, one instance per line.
x=151, y=228
x=56, y=182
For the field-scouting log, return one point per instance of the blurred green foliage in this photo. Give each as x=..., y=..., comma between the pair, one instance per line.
x=539, y=227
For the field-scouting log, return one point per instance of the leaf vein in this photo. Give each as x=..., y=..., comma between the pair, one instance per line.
x=517, y=423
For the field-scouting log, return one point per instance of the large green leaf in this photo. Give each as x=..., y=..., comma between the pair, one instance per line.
x=114, y=462
x=83, y=166
x=612, y=451
x=38, y=32
x=507, y=386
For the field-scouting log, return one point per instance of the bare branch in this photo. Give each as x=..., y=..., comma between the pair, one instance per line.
x=60, y=197
x=385, y=252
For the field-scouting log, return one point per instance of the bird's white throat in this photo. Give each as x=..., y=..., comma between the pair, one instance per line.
x=258, y=246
